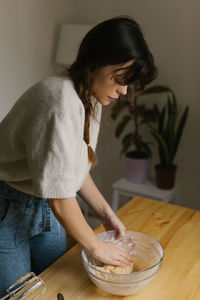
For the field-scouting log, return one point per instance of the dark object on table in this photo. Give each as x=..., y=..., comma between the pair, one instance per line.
x=60, y=296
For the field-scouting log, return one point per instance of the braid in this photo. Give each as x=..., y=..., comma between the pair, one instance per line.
x=91, y=155
x=82, y=79
x=85, y=97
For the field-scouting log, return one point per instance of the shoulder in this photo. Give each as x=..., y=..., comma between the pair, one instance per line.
x=54, y=95
x=60, y=89
x=56, y=84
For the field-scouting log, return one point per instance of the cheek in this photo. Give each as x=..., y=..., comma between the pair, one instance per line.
x=103, y=86
x=99, y=87
x=106, y=86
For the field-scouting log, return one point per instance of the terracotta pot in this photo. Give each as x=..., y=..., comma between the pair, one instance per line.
x=137, y=170
x=165, y=178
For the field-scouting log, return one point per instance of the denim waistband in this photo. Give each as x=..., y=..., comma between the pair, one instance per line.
x=9, y=191
x=15, y=195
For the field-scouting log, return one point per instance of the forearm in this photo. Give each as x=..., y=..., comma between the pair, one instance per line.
x=90, y=193
x=68, y=212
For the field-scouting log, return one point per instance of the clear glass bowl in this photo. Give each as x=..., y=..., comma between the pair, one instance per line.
x=148, y=255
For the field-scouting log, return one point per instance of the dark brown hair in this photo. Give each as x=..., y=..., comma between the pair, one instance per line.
x=112, y=42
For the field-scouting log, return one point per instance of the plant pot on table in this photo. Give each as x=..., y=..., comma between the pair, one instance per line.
x=165, y=177
x=137, y=166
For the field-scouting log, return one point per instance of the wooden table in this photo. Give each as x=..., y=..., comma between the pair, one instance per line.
x=177, y=228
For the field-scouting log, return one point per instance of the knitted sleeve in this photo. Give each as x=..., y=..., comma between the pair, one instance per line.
x=52, y=147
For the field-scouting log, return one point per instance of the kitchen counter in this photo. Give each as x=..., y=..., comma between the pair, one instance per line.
x=178, y=230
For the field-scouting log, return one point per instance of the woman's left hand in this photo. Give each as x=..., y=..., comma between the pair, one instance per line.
x=112, y=222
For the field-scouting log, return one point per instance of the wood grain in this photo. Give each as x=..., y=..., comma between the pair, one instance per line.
x=177, y=228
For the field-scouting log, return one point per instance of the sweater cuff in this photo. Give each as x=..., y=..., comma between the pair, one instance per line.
x=55, y=194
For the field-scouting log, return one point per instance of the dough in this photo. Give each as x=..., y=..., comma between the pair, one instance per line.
x=116, y=270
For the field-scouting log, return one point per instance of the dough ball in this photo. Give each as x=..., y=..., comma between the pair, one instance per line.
x=116, y=270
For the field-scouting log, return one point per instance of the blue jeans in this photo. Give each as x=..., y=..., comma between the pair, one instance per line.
x=31, y=238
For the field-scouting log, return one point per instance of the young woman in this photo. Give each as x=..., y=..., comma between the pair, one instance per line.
x=47, y=146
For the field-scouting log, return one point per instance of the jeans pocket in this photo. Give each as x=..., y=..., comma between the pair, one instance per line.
x=30, y=220
x=4, y=209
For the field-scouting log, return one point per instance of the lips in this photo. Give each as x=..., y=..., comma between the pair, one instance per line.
x=112, y=99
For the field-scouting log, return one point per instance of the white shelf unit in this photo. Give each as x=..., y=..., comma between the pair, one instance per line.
x=123, y=187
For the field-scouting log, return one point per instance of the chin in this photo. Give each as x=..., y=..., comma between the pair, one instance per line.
x=104, y=102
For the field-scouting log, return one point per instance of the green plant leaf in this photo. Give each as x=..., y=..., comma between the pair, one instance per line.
x=156, y=109
x=161, y=120
x=179, y=131
x=118, y=108
x=162, y=146
x=127, y=141
x=168, y=133
x=148, y=115
x=140, y=145
x=158, y=89
x=146, y=148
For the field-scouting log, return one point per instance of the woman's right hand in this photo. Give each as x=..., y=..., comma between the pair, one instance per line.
x=112, y=254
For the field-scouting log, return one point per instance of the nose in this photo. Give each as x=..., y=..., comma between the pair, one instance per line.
x=122, y=89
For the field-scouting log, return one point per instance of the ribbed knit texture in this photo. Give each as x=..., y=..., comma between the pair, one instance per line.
x=42, y=151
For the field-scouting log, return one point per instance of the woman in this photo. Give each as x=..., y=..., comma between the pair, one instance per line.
x=48, y=142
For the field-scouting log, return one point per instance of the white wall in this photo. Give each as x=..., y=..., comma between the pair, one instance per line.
x=28, y=36
x=28, y=33
x=171, y=29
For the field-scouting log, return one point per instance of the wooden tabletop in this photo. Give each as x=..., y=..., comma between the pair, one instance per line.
x=177, y=228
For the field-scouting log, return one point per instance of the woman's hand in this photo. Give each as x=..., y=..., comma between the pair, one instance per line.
x=112, y=254
x=112, y=222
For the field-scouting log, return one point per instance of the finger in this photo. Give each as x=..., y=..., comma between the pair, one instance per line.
x=126, y=260
x=122, y=231
x=125, y=252
x=120, y=234
x=122, y=263
x=127, y=256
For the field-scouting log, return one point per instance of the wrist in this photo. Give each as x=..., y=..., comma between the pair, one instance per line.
x=108, y=214
x=93, y=248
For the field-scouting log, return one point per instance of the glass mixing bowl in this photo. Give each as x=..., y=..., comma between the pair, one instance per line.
x=147, y=254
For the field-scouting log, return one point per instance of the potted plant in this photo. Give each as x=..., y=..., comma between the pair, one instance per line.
x=168, y=134
x=137, y=151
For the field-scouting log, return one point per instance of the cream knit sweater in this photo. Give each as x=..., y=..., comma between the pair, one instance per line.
x=42, y=151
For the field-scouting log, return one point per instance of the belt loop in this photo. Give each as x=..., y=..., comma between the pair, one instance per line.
x=46, y=216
